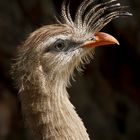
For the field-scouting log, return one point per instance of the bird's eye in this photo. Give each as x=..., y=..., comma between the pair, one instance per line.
x=60, y=45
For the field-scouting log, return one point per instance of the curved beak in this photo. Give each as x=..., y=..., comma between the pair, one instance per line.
x=101, y=39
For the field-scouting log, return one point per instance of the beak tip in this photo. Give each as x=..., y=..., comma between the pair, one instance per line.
x=117, y=42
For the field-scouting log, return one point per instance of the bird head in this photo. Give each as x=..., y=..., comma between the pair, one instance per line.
x=58, y=49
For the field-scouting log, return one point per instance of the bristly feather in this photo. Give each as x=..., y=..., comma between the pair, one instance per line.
x=93, y=18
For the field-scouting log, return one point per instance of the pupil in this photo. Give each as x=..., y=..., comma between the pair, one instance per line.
x=59, y=45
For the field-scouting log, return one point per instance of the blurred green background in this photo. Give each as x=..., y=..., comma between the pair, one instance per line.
x=106, y=94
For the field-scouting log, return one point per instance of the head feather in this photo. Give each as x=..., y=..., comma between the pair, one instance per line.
x=91, y=17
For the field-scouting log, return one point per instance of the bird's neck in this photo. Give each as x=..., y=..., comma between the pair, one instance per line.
x=48, y=112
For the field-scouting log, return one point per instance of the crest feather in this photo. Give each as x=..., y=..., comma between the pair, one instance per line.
x=93, y=17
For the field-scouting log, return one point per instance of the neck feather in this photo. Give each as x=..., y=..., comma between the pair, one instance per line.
x=48, y=112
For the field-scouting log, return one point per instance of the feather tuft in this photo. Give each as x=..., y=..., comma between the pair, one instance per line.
x=93, y=18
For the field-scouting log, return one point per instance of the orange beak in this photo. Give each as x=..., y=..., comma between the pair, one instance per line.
x=101, y=39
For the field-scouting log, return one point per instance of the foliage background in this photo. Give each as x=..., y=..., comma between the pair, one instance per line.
x=106, y=94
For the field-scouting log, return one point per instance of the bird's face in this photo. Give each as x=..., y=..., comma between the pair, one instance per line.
x=60, y=48
x=65, y=49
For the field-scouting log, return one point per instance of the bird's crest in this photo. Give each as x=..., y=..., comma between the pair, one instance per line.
x=92, y=17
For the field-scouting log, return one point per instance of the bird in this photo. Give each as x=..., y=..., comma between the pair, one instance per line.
x=45, y=63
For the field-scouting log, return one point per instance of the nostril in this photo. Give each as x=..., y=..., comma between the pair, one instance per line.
x=93, y=38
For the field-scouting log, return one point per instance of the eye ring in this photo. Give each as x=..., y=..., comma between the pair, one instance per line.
x=60, y=45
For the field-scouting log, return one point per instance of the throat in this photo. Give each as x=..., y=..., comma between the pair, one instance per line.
x=49, y=114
